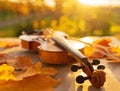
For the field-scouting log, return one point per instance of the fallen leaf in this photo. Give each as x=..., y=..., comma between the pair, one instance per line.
x=49, y=71
x=88, y=51
x=44, y=70
x=32, y=83
x=33, y=79
x=93, y=50
x=103, y=41
x=6, y=72
x=4, y=57
x=8, y=44
x=20, y=62
x=115, y=50
x=37, y=69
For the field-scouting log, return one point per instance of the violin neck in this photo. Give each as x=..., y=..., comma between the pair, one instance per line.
x=66, y=45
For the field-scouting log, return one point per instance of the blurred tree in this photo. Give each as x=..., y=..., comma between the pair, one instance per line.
x=97, y=20
x=67, y=15
x=23, y=27
x=58, y=9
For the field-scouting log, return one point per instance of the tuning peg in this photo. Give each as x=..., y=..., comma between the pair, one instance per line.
x=101, y=67
x=80, y=79
x=95, y=62
x=74, y=68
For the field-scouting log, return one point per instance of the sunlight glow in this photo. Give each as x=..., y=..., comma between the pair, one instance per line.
x=100, y=2
x=21, y=1
x=89, y=39
x=50, y=3
x=13, y=0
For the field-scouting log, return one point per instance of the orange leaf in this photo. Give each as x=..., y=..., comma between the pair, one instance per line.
x=33, y=79
x=4, y=58
x=93, y=50
x=104, y=42
x=45, y=70
x=48, y=71
x=8, y=44
x=37, y=69
x=20, y=63
x=32, y=83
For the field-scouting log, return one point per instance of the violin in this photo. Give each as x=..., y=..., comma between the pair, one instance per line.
x=55, y=48
x=48, y=50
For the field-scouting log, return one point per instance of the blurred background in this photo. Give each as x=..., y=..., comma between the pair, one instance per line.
x=78, y=18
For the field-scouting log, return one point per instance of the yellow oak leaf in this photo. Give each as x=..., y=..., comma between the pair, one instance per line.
x=8, y=44
x=32, y=83
x=6, y=72
x=34, y=78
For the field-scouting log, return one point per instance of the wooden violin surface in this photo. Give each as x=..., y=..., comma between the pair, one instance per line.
x=48, y=50
x=27, y=42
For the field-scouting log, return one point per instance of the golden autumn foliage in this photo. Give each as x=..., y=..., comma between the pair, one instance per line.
x=32, y=83
x=62, y=16
x=20, y=62
x=115, y=50
x=101, y=48
x=103, y=42
x=8, y=44
x=100, y=44
x=88, y=51
x=34, y=78
x=6, y=72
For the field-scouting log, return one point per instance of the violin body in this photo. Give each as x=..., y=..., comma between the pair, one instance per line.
x=28, y=42
x=48, y=50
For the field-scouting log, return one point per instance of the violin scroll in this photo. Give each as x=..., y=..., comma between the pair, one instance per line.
x=96, y=78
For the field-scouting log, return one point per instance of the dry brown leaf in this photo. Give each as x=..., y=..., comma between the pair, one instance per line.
x=37, y=69
x=33, y=79
x=20, y=63
x=38, y=66
x=4, y=57
x=45, y=70
x=29, y=72
x=48, y=71
x=32, y=83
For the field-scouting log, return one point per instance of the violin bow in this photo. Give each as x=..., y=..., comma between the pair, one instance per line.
x=96, y=77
